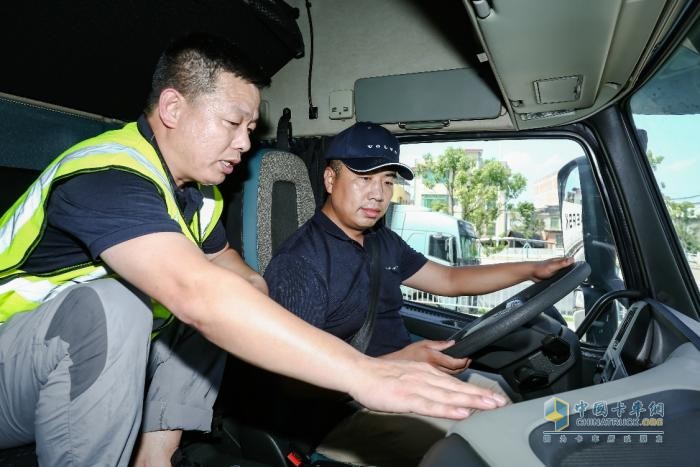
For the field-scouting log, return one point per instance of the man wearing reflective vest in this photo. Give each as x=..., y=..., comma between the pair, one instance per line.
x=121, y=231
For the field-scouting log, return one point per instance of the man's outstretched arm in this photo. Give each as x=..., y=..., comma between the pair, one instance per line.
x=476, y=280
x=231, y=313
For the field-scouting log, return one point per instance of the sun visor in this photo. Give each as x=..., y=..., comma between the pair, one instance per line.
x=444, y=95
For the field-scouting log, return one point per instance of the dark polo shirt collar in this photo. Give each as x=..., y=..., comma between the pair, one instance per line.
x=189, y=198
x=323, y=221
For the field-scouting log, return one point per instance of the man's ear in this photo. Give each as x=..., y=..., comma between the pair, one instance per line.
x=169, y=107
x=329, y=179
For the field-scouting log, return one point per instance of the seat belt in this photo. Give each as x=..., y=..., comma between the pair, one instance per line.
x=362, y=337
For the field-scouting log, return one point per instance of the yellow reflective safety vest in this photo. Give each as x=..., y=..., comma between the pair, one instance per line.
x=22, y=227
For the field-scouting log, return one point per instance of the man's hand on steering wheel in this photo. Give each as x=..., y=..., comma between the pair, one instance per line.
x=521, y=307
x=431, y=352
x=547, y=268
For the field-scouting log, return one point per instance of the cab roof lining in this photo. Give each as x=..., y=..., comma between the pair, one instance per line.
x=558, y=61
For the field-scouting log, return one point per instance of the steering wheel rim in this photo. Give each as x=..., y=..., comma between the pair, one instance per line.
x=516, y=311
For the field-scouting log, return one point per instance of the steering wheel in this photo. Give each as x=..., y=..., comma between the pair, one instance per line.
x=516, y=311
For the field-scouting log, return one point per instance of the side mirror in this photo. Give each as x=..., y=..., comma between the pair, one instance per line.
x=586, y=235
x=571, y=208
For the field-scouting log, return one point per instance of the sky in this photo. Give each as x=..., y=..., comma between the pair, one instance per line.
x=675, y=137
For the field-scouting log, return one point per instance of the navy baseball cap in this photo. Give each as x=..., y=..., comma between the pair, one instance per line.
x=366, y=147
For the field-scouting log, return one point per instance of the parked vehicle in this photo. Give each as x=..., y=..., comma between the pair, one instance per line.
x=443, y=238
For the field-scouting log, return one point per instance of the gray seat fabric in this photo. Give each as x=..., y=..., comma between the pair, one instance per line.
x=277, y=199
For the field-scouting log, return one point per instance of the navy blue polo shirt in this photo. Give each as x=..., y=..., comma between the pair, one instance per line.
x=88, y=213
x=322, y=275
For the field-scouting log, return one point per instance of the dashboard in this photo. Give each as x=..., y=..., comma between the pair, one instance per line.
x=649, y=332
x=653, y=361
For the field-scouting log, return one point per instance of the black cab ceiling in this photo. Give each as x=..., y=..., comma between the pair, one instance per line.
x=502, y=64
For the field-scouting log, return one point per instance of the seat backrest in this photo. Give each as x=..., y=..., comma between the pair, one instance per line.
x=277, y=199
x=32, y=134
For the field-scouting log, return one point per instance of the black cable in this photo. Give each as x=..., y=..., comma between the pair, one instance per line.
x=313, y=111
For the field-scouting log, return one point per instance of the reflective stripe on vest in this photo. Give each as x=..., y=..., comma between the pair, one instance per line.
x=23, y=225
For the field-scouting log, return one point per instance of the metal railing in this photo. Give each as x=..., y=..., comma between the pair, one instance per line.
x=477, y=305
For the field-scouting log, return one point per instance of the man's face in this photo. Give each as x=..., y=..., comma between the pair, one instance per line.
x=213, y=130
x=357, y=201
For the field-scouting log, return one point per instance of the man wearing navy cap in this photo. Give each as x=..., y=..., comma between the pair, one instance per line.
x=322, y=274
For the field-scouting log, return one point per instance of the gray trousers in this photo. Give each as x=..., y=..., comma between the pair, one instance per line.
x=73, y=372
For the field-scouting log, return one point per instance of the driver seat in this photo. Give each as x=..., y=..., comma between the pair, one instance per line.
x=277, y=200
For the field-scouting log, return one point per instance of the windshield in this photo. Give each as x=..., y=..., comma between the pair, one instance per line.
x=666, y=112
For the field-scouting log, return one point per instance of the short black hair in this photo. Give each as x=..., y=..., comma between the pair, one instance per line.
x=192, y=63
x=336, y=165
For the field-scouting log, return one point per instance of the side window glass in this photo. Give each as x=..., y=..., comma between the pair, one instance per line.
x=441, y=247
x=495, y=201
x=666, y=113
